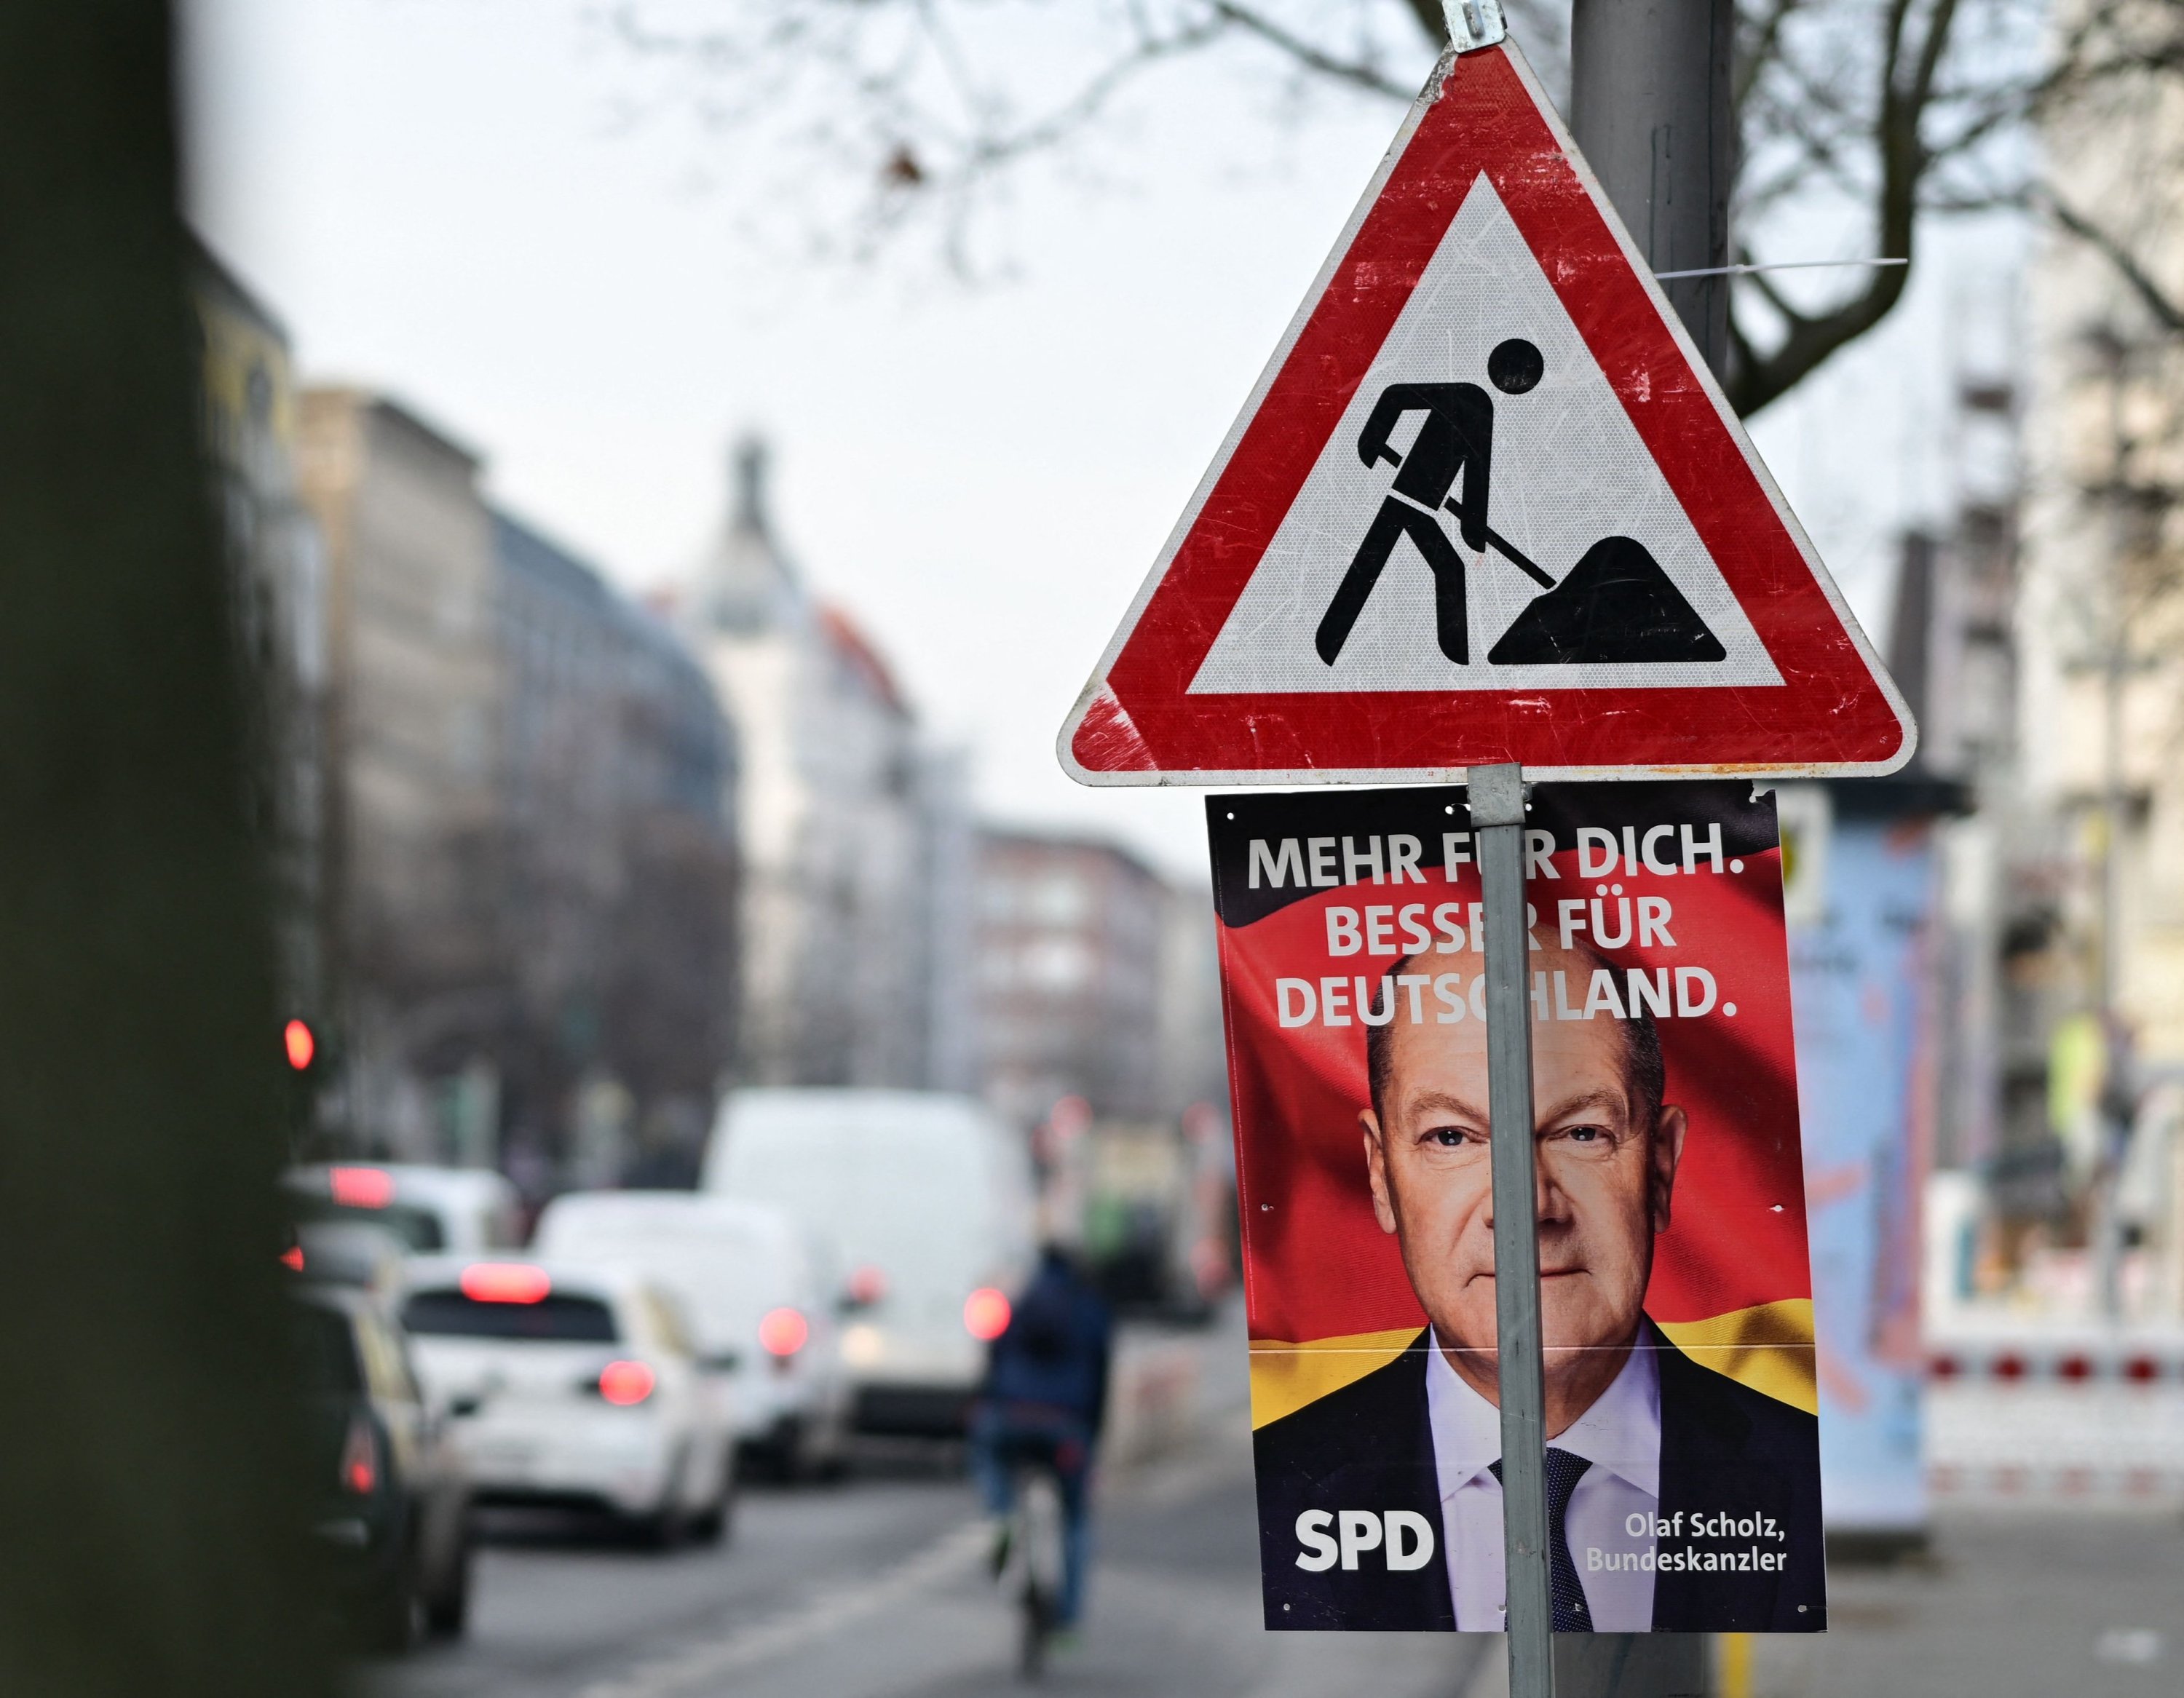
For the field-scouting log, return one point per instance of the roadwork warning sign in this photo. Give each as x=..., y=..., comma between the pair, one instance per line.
x=1485, y=504
x=1682, y=1448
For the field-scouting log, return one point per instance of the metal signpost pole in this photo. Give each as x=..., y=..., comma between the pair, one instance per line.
x=1650, y=109
x=1497, y=822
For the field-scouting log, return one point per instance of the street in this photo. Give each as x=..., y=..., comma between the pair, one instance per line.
x=875, y=1586
x=2022, y=1604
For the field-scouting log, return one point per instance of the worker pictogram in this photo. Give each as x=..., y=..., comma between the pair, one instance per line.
x=1616, y=605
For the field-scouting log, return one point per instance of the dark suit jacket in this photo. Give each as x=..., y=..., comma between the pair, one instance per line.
x=1724, y=1449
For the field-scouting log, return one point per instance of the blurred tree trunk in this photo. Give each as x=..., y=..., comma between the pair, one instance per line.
x=150, y=1528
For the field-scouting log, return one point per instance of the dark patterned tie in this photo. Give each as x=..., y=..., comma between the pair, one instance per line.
x=1565, y=1471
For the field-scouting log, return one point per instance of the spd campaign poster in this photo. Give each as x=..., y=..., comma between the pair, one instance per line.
x=1682, y=1460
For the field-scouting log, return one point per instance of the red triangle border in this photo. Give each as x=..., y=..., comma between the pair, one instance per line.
x=1835, y=712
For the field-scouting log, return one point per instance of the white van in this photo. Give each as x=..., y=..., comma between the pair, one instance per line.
x=928, y=1200
x=757, y=1292
x=459, y=1211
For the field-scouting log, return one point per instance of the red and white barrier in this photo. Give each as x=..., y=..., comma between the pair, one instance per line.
x=2057, y=1365
x=2058, y=1417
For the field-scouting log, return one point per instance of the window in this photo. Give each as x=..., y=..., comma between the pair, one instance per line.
x=419, y=1229
x=325, y=1349
x=1060, y=899
x=385, y=1367
x=1056, y=964
x=553, y=1319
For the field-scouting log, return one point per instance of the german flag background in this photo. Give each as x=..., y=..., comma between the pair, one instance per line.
x=1326, y=1297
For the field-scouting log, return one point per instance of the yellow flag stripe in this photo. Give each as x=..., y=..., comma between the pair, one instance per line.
x=1284, y=1377
x=1768, y=1347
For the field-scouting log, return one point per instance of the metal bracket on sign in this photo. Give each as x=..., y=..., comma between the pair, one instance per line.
x=1474, y=23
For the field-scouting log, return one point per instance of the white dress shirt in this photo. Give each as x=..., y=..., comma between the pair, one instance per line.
x=1620, y=1435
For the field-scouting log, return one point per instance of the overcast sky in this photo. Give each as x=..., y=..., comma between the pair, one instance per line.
x=447, y=199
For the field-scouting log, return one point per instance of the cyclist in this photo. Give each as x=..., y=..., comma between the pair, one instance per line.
x=1043, y=1400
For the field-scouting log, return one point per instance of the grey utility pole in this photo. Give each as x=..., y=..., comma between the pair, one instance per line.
x=1649, y=108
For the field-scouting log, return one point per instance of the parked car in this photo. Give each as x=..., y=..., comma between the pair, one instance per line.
x=574, y=1386
x=393, y=1514
x=460, y=1211
x=926, y=1198
x=349, y=1253
x=757, y=1290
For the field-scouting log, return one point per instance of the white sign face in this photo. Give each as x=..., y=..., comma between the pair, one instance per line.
x=1567, y=470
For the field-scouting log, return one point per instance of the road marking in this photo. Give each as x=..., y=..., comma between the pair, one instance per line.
x=954, y=1552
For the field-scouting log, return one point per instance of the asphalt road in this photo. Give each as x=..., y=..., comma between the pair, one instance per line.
x=874, y=1589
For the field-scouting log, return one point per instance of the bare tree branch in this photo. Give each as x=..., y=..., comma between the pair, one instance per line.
x=1893, y=110
x=2162, y=307
x=1756, y=378
x=1310, y=57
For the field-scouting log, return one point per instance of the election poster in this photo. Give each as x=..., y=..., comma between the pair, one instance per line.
x=1682, y=1461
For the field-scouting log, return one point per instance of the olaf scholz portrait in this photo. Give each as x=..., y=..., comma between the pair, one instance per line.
x=1679, y=1499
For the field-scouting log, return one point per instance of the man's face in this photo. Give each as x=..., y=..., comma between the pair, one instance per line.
x=1602, y=1186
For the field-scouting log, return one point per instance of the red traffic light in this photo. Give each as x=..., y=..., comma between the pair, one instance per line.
x=296, y=1039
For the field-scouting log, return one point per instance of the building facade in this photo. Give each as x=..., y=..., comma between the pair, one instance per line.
x=1073, y=960
x=851, y=831
x=531, y=807
x=247, y=394
x=411, y=733
x=2101, y=621
x=618, y=806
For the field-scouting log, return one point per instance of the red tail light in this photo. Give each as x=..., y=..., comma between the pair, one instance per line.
x=986, y=1314
x=868, y=1285
x=293, y=1258
x=361, y=1188
x=359, y=1461
x=296, y=1039
x=783, y=1332
x=504, y=1282
x=625, y=1383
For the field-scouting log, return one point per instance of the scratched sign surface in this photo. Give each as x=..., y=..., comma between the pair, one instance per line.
x=1485, y=504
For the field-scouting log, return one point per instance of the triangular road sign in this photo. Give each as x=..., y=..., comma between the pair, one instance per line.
x=1485, y=504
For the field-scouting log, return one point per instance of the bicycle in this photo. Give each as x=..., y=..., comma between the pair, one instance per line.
x=1032, y=1568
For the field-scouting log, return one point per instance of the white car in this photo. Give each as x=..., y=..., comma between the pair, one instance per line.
x=576, y=1386
x=459, y=1211
x=759, y=1297
x=927, y=1198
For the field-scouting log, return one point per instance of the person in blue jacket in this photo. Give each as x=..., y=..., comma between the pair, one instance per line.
x=1044, y=1399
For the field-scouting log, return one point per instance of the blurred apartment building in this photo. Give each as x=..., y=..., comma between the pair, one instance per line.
x=413, y=924
x=552, y=872
x=854, y=833
x=2060, y=588
x=249, y=399
x=1953, y=652
x=527, y=804
x=2102, y=624
x=619, y=815
x=1096, y=979
x=2101, y=632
